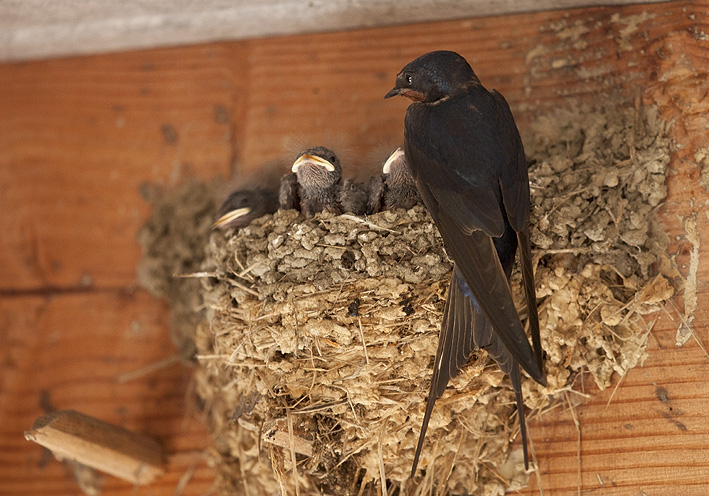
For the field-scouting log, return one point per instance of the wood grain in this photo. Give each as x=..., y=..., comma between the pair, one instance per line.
x=38, y=28
x=79, y=136
x=69, y=351
x=650, y=436
x=72, y=435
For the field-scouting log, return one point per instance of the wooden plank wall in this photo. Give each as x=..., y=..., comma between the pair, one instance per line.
x=46, y=28
x=79, y=136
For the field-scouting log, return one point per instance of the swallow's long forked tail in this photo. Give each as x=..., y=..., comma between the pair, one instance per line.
x=516, y=381
x=525, y=255
x=463, y=329
x=453, y=350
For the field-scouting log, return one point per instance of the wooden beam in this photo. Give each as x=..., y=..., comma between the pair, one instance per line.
x=80, y=136
x=42, y=28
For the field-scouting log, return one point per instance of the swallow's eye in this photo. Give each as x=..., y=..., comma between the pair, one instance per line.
x=408, y=79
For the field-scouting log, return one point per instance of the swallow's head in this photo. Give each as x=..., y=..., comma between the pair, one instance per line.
x=433, y=76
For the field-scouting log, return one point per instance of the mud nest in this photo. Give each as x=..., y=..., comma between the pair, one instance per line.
x=319, y=334
x=173, y=242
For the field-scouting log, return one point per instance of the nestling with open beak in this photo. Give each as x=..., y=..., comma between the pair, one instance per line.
x=316, y=185
x=244, y=205
x=394, y=187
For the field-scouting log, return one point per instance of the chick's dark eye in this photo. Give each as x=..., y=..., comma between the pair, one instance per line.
x=408, y=78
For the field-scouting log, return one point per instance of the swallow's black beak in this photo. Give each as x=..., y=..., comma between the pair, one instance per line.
x=394, y=92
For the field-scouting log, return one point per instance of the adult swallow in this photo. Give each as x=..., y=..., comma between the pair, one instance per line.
x=244, y=205
x=394, y=187
x=315, y=185
x=467, y=160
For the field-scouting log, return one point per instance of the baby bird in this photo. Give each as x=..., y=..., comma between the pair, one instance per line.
x=244, y=205
x=394, y=187
x=316, y=185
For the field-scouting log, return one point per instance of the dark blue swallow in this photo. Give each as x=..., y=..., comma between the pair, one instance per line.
x=467, y=160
